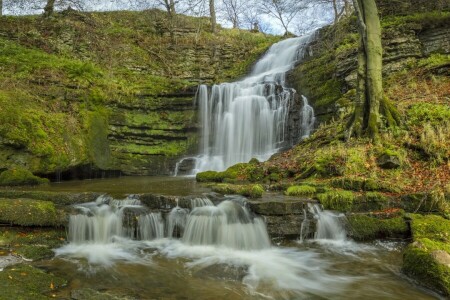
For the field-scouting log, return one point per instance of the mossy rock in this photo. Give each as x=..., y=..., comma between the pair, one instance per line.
x=366, y=228
x=28, y=212
x=32, y=243
x=209, y=176
x=252, y=191
x=20, y=176
x=301, y=190
x=58, y=198
x=430, y=226
x=27, y=282
x=337, y=200
x=428, y=263
x=430, y=202
x=362, y=184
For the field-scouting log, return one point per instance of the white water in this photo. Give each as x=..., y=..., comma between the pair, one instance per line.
x=248, y=119
x=221, y=239
x=329, y=225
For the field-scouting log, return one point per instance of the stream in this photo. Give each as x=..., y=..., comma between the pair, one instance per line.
x=223, y=252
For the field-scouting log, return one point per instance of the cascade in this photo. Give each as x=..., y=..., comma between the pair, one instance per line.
x=228, y=224
x=248, y=119
x=103, y=220
x=330, y=225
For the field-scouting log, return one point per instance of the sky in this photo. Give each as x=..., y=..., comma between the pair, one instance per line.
x=306, y=20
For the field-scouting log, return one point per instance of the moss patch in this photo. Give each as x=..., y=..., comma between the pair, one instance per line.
x=26, y=282
x=337, y=200
x=251, y=190
x=20, y=176
x=27, y=212
x=301, y=190
x=366, y=228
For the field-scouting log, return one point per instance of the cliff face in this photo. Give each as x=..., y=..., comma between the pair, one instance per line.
x=414, y=35
x=109, y=91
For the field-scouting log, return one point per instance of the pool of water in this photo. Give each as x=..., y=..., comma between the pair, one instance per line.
x=169, y=269
x=179, y=186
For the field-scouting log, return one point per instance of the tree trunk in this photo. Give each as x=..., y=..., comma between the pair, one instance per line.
x=49, y=8
x=172, y=7
x=366, y=117
x=212, y=13
x=1, y=8
x=336, y=14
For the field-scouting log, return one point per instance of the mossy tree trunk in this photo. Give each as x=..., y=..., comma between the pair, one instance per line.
x=1, y=8
x=212, y=13
x=49, y=8
x=366, y=119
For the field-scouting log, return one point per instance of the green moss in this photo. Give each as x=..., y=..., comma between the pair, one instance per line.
x=27, y=212
x=26, y=282
x=251, y=191
x=419, y=263
x=337, y=200
x=366, y=228
x=301, y=190
x=430, y=19
x=209, y=176
x=434, y=114
x=20, y=176
x=432, y=227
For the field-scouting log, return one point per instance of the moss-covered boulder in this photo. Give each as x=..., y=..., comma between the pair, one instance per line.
x=20, y=176
x=426, y=202
x=427, y=259
x=209, y=176
x=337, y=200
x=301, y=190
x=249, y=190
x=28, y=212
x=366, y=227
x=26, y=282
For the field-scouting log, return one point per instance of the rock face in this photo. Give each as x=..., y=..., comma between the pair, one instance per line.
x=327, y=75
x=284, y=218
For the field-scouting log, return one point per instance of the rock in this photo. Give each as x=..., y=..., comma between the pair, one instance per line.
x=90, y=294
x=279, y=208
x=186, y=166
x=386, y=161
x=28, y=212
x=287, y=226
x=441, y=257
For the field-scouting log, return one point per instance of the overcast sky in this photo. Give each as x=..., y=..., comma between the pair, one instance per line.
x=306, y=20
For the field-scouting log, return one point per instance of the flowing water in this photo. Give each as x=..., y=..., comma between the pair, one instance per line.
x=248, y=119
x=221, y=252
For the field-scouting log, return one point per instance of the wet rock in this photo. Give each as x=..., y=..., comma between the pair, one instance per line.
x=279, y=208
x=222, y=271
x=386, y=161
x=28, y=212
x=58, y=198
x=288, y=226
x=9, y=260
x=186, y=166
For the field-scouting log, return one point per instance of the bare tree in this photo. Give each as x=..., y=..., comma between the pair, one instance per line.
x=212, y=15
x=233, y=11
x=1, y=8
x=282, y=10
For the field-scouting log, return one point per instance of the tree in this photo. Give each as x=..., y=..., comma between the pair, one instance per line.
x=212, y=14
x=233, y=10
x=1, y=8
x=49, y=8
x=282, y=10
x=369, y=102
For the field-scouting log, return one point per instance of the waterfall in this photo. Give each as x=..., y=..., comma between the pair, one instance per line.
x=229, y=224
x=330, y=225
x=103, y=220
x=307, y=118
x=248, y=119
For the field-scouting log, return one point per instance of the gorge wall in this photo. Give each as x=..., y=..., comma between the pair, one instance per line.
x=109, y=91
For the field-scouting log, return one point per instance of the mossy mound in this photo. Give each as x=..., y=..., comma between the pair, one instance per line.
x=252, y=172
x=252, y=190
x=20, y=176
x=365, y=227
x=26, y=282
x=27, y=212
x=301, y=190
x=427, y=259
x=337, y=200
